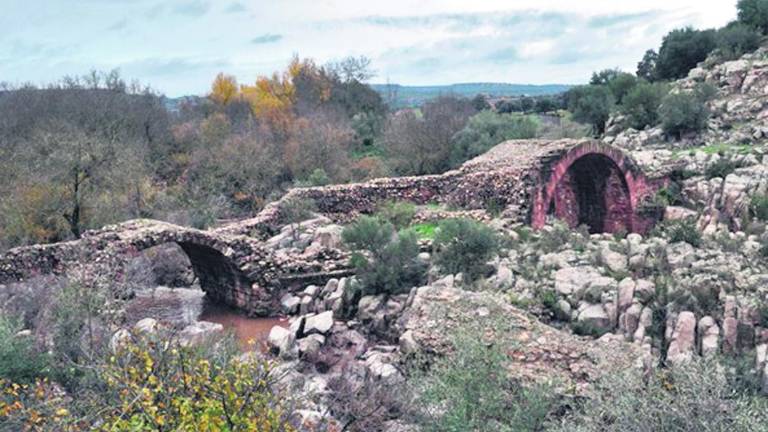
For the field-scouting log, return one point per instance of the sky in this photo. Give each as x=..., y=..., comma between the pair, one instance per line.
x=178, y=46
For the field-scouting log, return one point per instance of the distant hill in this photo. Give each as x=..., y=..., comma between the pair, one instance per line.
x=400, y=96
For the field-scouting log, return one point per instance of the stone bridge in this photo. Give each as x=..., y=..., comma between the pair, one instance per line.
x=579, y=181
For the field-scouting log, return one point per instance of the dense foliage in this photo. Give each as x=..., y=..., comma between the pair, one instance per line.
x=464, y=246
x=684, y=112
x=154, y=385
x=390, y=264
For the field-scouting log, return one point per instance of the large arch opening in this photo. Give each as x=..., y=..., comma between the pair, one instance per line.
x=594, y=193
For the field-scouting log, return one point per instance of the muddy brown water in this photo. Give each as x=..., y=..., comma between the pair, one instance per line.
x=179, y=307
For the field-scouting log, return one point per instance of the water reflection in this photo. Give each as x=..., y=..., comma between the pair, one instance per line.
x=179, y=307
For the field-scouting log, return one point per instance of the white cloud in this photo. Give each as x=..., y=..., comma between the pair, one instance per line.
x=177, y=46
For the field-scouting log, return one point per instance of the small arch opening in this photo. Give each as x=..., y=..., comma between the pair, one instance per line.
x=594, y=193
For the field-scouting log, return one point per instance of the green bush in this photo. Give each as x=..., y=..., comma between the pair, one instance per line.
x=754, y=13
x=470, y=391
x=20, y=362
x=721, y=168
x=641, y=104
x=398, y=213
x=736, y=39
x=689, y=398
x=683, y=112
x=464, y=246
x=682, y=231
x=425, y=230
x=392, y=265
x=368, y=233
x=758, y=207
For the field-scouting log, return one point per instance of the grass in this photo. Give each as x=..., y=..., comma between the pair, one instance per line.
x=425, y=231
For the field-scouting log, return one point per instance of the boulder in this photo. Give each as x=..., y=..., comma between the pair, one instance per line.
x=681, y=348
x=319, y=324
x=680, y=255
x=709, y=335
x=146, y=326
x=644, y=291
x=595, y=317
x=289, y=303
x=626, y=294
x=572, y=280
x=311, y=344
x=615, y=261
x=283, y=341
x=199, y=332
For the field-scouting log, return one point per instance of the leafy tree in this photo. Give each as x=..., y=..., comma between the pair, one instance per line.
x=754, y=13
x=646, y=68
x=545, y=104
x=681, y=50
x=641, y=104
x=509, y=106
x=421, y=144
x=480, y=103
x=684, y=112
x=591, y=104
x=224, y=89
x=736, y=39
x=527, y=104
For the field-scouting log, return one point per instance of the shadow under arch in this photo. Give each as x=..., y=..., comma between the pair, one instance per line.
x=594, y=185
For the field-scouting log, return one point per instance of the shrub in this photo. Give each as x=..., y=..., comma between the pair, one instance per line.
x=687, y=398
x=758, y=207
x=400, y=214
x=470, y=391
x=20, y=362
x=682, y=231
x=156, y=385
x=754, y=13
x=682, y=113
x=463, y=245
x=368, y=233
x=392, y=266
x=721, y=168
x=735, y=40
x=425, y=230
x=641, y=104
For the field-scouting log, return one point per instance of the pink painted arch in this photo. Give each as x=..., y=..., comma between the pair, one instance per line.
x=595, y=185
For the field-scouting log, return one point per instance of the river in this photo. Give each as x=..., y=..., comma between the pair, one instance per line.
x=179, y=307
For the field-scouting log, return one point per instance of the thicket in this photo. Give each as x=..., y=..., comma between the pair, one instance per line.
x=386, y=261
x=464, y=246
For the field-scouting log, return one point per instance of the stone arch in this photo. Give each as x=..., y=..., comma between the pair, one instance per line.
x=595, y=185
x=218, y=272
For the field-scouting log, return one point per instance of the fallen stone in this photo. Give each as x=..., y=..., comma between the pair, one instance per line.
x=199, y=332
x=319, y=324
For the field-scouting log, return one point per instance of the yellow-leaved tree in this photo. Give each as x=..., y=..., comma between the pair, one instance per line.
x=224, y=89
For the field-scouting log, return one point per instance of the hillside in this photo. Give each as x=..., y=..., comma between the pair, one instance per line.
x=411, y=96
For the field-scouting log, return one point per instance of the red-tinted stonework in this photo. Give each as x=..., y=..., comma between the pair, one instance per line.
x=597, y=186
x=579, y=181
